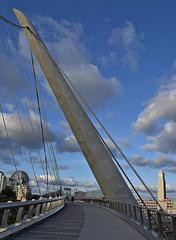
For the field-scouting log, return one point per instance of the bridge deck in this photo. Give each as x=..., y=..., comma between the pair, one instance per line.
x=83, y=222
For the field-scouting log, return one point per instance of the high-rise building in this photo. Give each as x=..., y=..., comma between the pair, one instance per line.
x=161, y=186
x=168, y=204
x=3, y=181
x=21, y=188
x=11, y=183
x=22, y=191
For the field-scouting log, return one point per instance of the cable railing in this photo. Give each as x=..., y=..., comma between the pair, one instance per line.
x=15, y=216
x=159, y=223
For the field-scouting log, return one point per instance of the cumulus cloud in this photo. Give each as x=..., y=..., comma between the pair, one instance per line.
x=5, y=153
x=124, y=143
x=163, y=161
x=11, y=78
x=128, y=41
x=170, y=169
x=161, y=106
x=16, y=134
x=158, y=119
x=65, y=41
x=65, y=182
x=138, y=160
x=165, y=141
x=69, y=144
x=9, y=107
x=169, y=188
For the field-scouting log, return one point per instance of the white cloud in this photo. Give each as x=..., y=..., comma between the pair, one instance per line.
x=66, y=43
x=16, y=134
x=165, y=141
x=109, y=59
x=124, y=143
x=69, y=144
x=162, y=106
x=127, y=41
x=169, y=188
x=11, y=77
x=163, y=161
x=65, y=182
x=9, y=107
x=170, y=169
x=138, y=160
x=158, y=119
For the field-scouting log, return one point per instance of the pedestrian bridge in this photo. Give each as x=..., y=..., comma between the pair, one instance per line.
x=81, y=221
x=51, y=218
x=89, y=219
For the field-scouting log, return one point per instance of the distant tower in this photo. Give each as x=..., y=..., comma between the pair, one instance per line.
x=21, y=187
x=3, y=181
x=100, y=160
x=161, y=185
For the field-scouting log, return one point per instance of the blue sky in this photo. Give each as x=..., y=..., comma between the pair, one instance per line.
x=121, y=55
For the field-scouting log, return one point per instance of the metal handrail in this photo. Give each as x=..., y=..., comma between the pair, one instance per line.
x=162, y=224
x=16, y=216
x=9, y=205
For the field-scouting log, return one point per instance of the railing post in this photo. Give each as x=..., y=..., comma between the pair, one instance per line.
x=122, y=207
x=149, y=219
x=20, y=214
x=109, y=203
x=5, y=218
x=43, y=208
x=37, y=211
x=129, y=206
x=174, y=226
x=30, y=211
x=119, y=206
x=115, y=206
x=160, y=226
x=135, y=215
x=125, y=209
x=48, y=206
x=141, y=216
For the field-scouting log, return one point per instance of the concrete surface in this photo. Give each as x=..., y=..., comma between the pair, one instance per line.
x=105, y=171
x=81, y=221
x=104, y=225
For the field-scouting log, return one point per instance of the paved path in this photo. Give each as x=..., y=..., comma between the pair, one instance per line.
x=83, y=222
x=64, y=225
x=104, y=225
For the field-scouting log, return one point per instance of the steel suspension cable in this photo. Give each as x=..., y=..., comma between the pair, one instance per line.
x=28, y=151
x=37, y=122
x=51, y=146
x=37, y=92
x=40, y=116
x=115, y=144
x=11, y=151
x=133, y=187
x=31, y=124
x=110, y=137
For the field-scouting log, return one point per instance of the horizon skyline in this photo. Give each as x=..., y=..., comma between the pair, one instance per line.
x=75, y=186
x=125, y=60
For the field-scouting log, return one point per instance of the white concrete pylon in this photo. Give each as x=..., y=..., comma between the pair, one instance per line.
x=105, y=171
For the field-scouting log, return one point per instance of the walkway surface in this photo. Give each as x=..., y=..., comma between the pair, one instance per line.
x=81, y=221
